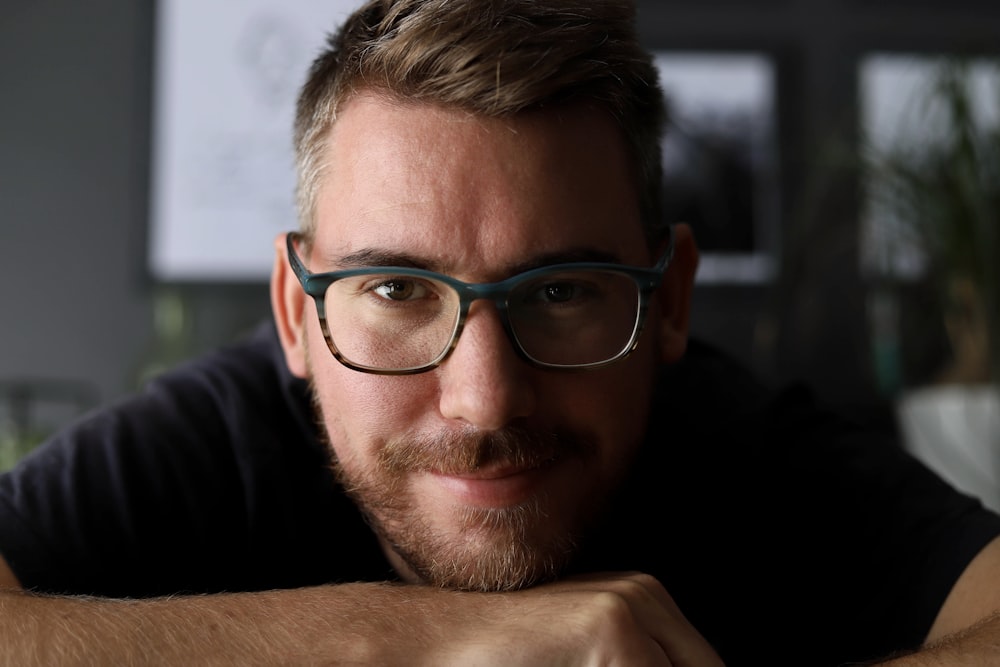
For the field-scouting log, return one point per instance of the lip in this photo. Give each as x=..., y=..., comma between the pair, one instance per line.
x=492, y=487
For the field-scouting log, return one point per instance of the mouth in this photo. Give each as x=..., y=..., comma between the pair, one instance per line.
x=493, y=486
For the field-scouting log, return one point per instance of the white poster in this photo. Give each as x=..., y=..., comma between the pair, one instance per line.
x=226, y=76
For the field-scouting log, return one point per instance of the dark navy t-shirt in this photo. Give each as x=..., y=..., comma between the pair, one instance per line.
x=787, y=536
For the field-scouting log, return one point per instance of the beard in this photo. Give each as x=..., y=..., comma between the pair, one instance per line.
x=485, y=549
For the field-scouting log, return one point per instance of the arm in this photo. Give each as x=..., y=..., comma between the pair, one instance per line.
x=967, y=629
x=613, y=620
x=7, y=578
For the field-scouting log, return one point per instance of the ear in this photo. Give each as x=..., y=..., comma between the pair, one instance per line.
x=288, y=301
x=675, y=295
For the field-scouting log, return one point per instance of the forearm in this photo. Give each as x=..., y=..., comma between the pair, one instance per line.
x=612, y=619
x=351, y=624
x=977, y=645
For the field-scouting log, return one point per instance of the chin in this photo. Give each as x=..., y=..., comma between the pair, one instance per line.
x=489, y=549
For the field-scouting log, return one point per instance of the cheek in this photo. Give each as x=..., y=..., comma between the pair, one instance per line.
x=361, y=410
x=611, y=404
x=354, y=404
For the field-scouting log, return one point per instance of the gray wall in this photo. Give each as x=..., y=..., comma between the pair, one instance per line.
x=77, y=304
x=72, y=137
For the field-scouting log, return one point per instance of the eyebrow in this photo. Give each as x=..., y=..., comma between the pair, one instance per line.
x=374, y=257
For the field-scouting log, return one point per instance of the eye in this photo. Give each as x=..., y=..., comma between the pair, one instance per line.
x=400, y=289
x=562, y=291
x=558, y=292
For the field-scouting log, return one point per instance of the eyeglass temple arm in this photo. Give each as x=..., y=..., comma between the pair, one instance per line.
x=300, y=270
x=668, y=253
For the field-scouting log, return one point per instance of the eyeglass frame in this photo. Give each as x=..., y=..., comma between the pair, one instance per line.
x=315, y=285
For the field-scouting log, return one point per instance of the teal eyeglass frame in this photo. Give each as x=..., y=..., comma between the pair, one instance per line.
x=316, y=284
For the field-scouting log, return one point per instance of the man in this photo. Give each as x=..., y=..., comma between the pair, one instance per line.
x=476, y=432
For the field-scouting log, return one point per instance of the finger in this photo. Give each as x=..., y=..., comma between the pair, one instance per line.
x=664, y=622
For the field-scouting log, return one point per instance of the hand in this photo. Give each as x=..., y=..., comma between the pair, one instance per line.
x=625, y=619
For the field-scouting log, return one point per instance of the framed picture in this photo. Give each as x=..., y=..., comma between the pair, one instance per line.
x=720, y=156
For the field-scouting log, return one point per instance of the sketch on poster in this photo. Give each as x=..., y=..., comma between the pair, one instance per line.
x=222, y=176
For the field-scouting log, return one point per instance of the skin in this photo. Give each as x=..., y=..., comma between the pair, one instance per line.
x=544, y=186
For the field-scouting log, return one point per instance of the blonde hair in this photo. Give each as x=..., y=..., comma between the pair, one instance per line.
x=491, y=57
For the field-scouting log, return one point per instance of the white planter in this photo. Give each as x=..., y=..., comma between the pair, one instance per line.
x=955, y=430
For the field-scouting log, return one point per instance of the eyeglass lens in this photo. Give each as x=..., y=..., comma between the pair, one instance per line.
x=396, y=322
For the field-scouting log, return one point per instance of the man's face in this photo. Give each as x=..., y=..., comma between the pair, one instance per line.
x=483, y=472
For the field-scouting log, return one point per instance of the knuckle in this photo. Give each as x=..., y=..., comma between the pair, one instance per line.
x=612, y=611
x=646, y=581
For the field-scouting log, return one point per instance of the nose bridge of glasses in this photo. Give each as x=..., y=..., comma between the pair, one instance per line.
x=492, y=293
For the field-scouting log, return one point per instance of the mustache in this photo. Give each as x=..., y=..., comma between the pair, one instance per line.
x=457, y=452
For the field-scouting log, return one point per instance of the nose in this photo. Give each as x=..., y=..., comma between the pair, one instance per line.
x=484, y=382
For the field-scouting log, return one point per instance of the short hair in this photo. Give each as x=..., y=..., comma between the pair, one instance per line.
x=494, y=58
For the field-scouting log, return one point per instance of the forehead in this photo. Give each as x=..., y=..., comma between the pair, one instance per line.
x=469, y=194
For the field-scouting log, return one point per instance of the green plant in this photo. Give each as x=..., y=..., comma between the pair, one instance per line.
x=941, y=189
x=14, y=446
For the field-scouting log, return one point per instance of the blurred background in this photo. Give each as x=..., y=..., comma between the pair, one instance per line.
x=139, y=193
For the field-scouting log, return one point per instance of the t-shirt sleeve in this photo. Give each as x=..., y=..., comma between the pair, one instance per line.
x=891, y=535
x=858, y=543
x=148, y=483
x=185, y=486
x=801, y=535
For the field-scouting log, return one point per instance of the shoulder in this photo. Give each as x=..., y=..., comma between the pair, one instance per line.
x=233, y=398
x=252, y=368
x=244, y=388
x=766, y=492
x=220, y=453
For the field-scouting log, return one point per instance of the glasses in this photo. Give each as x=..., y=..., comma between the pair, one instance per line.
x=398, y=320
